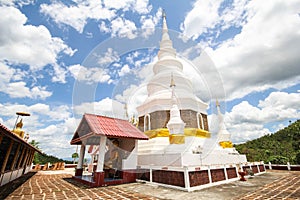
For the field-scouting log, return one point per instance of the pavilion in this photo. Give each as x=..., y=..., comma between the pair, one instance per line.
x=112, y=139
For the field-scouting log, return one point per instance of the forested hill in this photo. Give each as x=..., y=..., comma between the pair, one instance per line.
x=278, y=148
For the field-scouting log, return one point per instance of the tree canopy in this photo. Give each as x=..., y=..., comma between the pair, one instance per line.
x=278, y=148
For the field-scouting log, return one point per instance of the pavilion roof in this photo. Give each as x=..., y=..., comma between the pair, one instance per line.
x=92, y=126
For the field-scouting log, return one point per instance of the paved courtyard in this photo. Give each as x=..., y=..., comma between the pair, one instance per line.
x=59, y=185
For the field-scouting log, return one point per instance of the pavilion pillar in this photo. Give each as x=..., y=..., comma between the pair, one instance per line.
x=99, y=173
x=79, y=168
x=101, y=155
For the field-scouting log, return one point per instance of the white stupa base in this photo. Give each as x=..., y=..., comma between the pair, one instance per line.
x=193, y=152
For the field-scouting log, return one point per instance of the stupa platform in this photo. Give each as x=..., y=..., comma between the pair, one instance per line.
x=191, y=178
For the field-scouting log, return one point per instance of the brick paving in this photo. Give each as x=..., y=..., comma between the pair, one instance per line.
x=280, y=185
x=287, y=187
x=61, y=186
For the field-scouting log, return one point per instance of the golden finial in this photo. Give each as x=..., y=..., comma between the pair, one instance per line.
x=217, y=103
x=164, y=13
x=172, y=84
x=126, y=111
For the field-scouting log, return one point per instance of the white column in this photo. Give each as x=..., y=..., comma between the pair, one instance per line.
x=101, y=154
x=150, y=174
x=270, y=165
x=81, y=157
x=186, y=178
x=225, y=173
x=209, y=174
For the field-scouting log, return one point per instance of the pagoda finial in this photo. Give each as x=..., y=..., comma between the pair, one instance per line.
x=172, y=84
x=164, y=14
x=217, y=103
x=126, y=111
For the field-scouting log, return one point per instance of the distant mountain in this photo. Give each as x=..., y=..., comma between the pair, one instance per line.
x=44, y=158
x=68, y=159
x=278, y=148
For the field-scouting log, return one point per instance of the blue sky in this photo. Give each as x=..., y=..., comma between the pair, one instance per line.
x=60, y=59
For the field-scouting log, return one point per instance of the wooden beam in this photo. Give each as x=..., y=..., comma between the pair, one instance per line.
x=1, y=138
x=32, y=157
x=12, y=167
x=25, y=157
x=7, y=156
x=21, y=157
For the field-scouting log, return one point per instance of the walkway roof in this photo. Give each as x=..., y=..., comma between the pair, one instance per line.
x=6, y=132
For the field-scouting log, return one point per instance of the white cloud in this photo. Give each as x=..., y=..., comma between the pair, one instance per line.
x=50, y=113
x=123, y=28
x=10, y=85
x=105, y=107
x=89, y=75
x=27, y=44
x=46, y=123
x=125, y=69
x=60, y=136
x=247, y=122
x=281, y=99
x=149, y=22
x=59, y=74
x=221, y=14
x=197, y=20
x=139, y=6
x=16, y=2
x=109, y=57
x=264, y=54
x=77, y=15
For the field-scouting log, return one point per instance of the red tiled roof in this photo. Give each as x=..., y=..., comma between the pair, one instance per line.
x=110, y=127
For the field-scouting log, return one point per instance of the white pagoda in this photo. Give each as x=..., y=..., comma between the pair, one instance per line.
x=181, y=152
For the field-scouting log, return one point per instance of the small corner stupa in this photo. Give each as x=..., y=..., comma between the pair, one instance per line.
x=175, y=120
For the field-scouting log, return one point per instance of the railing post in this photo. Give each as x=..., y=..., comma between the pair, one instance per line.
x=288, y=166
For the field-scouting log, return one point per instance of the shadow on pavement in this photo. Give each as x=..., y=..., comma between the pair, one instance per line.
x=76, y=183
x=8, y=188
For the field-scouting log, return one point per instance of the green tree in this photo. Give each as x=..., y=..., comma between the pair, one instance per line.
x=35, y=144
x=278, y=148
x=74, y=156
x=298, y=158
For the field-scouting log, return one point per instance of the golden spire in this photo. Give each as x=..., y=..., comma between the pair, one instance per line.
x=164, y=14
x=217, y=103
x=172, y=84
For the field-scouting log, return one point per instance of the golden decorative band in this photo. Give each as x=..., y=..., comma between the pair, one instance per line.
x=226, y=144
x=164, y=132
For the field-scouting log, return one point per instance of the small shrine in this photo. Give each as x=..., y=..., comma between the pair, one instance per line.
x=112, y=145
